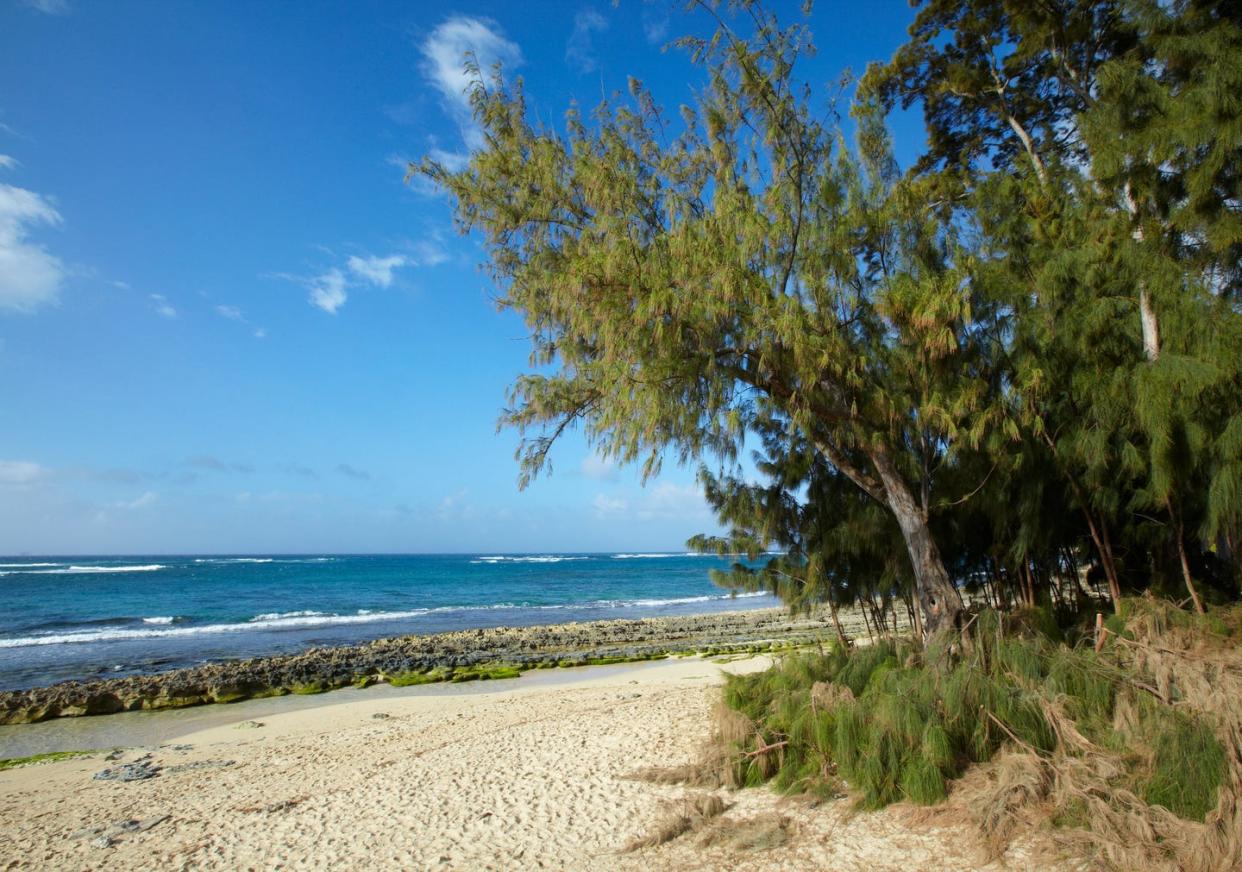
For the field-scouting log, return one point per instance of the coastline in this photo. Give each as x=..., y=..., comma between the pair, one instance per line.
x=510, y=776
x=458, y=656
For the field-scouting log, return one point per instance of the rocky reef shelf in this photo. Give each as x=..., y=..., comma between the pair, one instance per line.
x=463, y=655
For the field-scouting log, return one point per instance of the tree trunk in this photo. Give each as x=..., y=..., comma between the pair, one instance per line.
x=1181, y=552
x=1151, y=327
x=939, y=600
x=1147, y=314
x=836, y=623
x=862, y=607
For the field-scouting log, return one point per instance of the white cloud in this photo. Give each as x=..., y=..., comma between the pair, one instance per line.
x=50, y=7
x=330, y=289
x=7, y=162
x=162, y=307
x=141, y=502
x=377, y=270
x=444, y=53
x=453, y=161
x=598, y=468
x=655, y=26
x=327, y=291
x=20, y=472
x=234, y=313
x=609, y=507
x=30, y=277
x=428, y=252
x=669, y=502
x=455, y=506
x=580, y=51
x=663, y=502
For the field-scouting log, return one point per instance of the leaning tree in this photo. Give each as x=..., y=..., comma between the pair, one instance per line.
x=684, y=277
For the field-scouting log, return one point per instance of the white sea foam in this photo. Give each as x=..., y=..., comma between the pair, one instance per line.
x=160, y=628
x=279, y=623
x=280, y=616
x=658, y=555
x=87, y=570
x=544, y=558
x=227, y=560
x=26, y=565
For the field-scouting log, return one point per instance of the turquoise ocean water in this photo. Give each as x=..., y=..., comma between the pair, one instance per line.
x=82, y=617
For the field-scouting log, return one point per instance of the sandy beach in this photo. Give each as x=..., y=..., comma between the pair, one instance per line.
x=523, y=774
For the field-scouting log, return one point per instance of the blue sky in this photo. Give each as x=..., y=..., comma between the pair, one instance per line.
x=227, y=325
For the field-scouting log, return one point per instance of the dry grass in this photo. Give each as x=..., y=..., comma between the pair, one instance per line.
x=1081, y=794
x=689, y=813
x=758, y=833
x=1129, y=757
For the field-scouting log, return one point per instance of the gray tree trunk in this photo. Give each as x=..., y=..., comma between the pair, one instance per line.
x=939, y=600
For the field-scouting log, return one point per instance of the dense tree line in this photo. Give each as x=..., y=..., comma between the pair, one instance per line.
x=1013, y=369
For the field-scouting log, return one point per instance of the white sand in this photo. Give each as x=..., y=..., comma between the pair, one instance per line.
x=525, y=777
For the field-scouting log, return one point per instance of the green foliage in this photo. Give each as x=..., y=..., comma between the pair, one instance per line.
x=1188, y=767
x=895, y=728
x=1015, y=369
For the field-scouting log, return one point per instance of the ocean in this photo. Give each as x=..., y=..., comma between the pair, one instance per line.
x=85, y=617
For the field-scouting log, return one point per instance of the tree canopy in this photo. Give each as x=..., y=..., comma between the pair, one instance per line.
x=1012, y=369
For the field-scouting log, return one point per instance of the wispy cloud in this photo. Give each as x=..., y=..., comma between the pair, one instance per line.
x=609, y=507
x=48, y=7
x=30, y=277
x=580, y=51
x=353, y=472
x=598, y=468
x=211, y=463
x=7, y=162
x=162, y=307
x=234, y=313
x=453, y=161
x=664, y=502
x=444, y=54
x=377, y=270
x=329, y=290
x=21, y=472
x=673, y=502
x=455, y=506
x=655, y=26
x=141, y=502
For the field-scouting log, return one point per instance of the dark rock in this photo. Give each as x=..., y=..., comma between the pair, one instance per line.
x=321, y=669
x=139, y=770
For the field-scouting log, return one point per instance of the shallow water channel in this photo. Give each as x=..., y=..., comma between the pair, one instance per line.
x=142, y=729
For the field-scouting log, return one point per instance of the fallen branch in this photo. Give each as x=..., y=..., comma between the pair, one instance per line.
x=766, y=748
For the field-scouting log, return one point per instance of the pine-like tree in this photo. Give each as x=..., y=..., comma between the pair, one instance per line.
x=684, y=287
